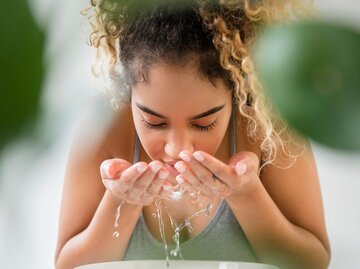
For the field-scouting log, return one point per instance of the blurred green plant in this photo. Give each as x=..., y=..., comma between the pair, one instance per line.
x=21, y=69
x=311, y=72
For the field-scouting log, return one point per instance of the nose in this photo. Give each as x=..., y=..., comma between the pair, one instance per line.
x=178, y=141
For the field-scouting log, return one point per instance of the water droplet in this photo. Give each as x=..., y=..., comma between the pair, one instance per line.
x=176, y=195
x=116, y=234
x=117, y=217
x=208, y=209
x=189, y=227
x=173, y=253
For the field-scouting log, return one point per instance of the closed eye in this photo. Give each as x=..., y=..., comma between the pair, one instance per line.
x=209, y=127
x=153, y=126
x=163, y=125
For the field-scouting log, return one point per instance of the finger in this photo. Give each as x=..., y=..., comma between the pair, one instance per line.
x=156, y=184
x=144, y=181
x=165, y=190
x=128, y=177
x=112, y=168
x=221, y=190
x=221, y=170
x=205, y=176
x=185, y=186
x=194, y=180
x=210, y=180
x=249, y=160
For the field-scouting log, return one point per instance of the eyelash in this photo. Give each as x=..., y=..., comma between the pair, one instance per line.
x=207, y=128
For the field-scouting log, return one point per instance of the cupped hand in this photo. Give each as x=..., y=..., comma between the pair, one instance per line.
x=136, y=183
x=202, y=172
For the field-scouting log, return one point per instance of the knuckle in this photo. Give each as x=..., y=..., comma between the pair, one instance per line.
x=157, y=181
x=197, y=185
x=207, y=178
x=216, y=169
x=141, y=185
x=203, y=176
x=150, y=193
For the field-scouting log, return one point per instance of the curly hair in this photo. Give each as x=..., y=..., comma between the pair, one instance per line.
x=216, y=35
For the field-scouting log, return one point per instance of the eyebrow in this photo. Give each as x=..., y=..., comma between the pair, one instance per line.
x=202, y=115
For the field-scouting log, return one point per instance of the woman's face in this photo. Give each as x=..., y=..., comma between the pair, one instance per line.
x=176, y=109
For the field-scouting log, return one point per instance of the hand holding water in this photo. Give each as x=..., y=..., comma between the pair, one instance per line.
x=203, y=172
x=136, y=183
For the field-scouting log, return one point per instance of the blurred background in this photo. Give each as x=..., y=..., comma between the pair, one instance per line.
x=32, y=165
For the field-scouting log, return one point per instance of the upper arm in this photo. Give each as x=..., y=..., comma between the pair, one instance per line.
x=96, y=139
x=296, y=191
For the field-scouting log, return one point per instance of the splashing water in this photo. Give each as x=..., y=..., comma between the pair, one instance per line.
x=162, y=230
x=186, y=223
x=116, y=234
x=176, y=195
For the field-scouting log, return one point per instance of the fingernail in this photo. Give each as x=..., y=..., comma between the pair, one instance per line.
x=180, y=180
x=155, y=167
x=105, y=169
x=185, y=156
x=163, y=174
x=240, y=168
x=180, y=167
x=141, y=168
x=198, y=156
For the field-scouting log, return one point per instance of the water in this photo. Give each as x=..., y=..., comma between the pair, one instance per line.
x=185, y=224
x=178, y=227
x=177, y=195
x=116, y=234
x=162, y=229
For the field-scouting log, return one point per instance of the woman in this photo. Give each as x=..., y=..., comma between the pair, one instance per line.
x=191, y=114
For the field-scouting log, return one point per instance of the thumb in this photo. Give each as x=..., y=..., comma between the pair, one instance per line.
x=112, y=168
x=244, y=162
x=238, y=157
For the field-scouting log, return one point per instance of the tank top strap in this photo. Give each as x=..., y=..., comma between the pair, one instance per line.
x=233, y=149
x=136, y=149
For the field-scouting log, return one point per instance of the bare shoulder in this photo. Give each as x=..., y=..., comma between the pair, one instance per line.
x=103, y=133
x=296, y=191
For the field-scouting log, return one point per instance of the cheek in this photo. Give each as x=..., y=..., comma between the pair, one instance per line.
x=151, y=141
x=209, y=143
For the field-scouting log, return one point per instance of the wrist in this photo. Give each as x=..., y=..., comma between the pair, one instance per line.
x=249, y=190
x=115, y=201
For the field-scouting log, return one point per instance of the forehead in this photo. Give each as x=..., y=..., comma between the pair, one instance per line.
x=171, y=85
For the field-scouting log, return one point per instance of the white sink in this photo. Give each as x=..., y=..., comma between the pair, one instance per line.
x=155, y=264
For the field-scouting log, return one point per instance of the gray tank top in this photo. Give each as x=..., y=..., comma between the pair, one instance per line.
x=222, y=240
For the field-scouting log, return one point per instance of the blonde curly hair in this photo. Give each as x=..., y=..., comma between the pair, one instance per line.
x=230, y=25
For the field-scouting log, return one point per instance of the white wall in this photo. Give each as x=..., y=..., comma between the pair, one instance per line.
x=31, y=173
